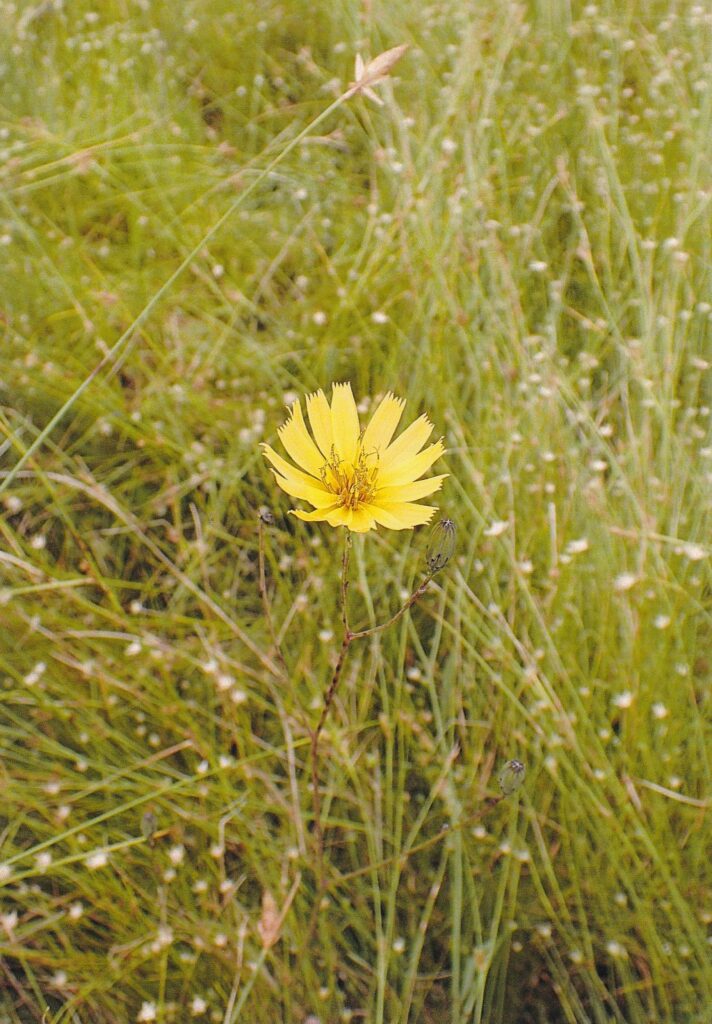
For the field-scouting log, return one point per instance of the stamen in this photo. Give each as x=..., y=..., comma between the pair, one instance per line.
x=354, y=484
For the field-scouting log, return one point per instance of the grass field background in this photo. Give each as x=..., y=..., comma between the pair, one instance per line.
x=518, y=242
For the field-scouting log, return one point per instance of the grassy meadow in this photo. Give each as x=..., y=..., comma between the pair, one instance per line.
x=517, y=242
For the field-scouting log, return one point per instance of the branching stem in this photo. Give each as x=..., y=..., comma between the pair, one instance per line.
x=330, y=693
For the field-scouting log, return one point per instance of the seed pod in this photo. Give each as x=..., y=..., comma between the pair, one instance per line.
x=441, y=545
x=512, y=776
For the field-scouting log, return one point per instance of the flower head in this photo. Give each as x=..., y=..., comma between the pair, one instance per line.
x=354, y=478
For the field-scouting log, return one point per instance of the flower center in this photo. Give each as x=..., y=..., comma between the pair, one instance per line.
x=353, y=484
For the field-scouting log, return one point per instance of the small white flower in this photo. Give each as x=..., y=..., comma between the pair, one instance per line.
x=164, y=936
x=148, y=1012
x=35, y=673
x=43, y=861
x=660, y=711
x=198, y=1006
x=97, y=859
x=75, y=911
x=577, y=547
x=616, y=950
x=625, y=581
x=9, y=921
x=695, y=552
x=623, y=700
x=379, y=317
x=319, y=318
x=496, y=528
x=661, y=621
x=176, y=854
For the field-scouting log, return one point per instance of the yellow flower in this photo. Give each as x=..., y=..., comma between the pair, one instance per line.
x=354, y=478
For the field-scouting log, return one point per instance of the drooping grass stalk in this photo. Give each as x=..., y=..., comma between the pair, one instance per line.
x=123, y=340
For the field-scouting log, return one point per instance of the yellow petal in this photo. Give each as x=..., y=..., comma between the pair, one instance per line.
x=383, y=424
x=409, y=492
x=290, y=472
x=359, y=520
x=411, y=469
x=408, y=443
x=319, y=515
x=299, y=445
x=320, y=499
x=402, y=515
x=337, y=516
x=320, y=420
x=344, y=422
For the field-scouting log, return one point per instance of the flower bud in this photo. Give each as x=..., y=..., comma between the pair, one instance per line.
x=441, y=545
x=149, y=824
x=265, y=515
x=512, y=776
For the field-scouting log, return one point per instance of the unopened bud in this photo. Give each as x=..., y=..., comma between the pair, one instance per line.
x=512, y=776
x=377, y=70
x=149, y=824
x=266, y=516
x=441, y=545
